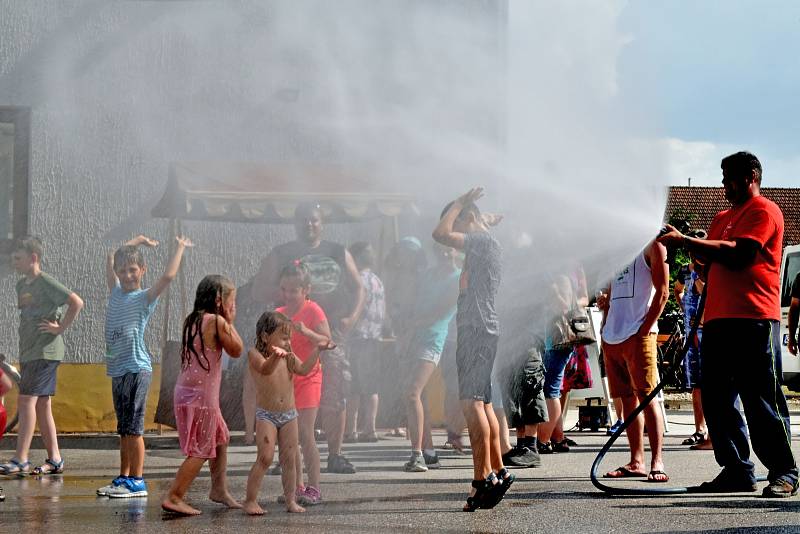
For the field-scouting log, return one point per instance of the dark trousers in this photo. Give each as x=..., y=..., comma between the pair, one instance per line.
x=742, y=357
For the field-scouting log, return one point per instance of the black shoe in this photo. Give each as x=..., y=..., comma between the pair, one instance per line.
x=560, y=446
x=339, y=464
x=522, y=456
x=781, y=487
x=509, y=458
x=544, y=448
x=431, y=460
x=726, y=482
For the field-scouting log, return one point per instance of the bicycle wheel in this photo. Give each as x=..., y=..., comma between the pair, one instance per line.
x=14, y=375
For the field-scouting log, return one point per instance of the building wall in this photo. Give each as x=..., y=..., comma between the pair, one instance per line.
x=119, y=90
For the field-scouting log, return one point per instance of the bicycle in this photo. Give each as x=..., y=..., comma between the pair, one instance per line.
x=14, y=375
x=669, y=358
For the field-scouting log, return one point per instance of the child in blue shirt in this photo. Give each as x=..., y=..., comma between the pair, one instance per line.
x=127, y=358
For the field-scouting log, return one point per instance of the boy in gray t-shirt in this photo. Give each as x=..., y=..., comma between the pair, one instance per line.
x=463, y=227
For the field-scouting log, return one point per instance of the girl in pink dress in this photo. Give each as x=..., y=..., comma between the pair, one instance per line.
x=202, y=431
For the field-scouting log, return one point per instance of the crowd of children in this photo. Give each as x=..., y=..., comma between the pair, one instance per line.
x=400, y=331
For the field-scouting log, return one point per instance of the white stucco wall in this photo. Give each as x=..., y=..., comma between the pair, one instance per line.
x=118, y=90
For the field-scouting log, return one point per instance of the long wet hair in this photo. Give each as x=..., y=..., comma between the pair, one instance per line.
x=209, y=289
x=268, y=323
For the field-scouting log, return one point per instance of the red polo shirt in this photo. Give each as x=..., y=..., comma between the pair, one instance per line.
x=754, y=291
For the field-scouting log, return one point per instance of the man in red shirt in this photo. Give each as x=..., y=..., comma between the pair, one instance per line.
x=741, y=337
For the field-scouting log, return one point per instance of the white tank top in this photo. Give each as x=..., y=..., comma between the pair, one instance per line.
x=632, y=292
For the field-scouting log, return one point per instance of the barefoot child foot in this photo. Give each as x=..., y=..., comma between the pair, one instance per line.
x=225, y=498
x=252, y=508
x=294, y=508
x=178, y=506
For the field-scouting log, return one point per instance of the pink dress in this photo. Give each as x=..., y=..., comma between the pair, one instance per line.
x=196, y=403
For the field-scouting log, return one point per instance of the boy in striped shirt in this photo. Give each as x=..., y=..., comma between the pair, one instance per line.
x=127, y=359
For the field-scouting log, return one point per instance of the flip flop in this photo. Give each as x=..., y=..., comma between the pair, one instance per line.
x=695, y=438
x=653, y=474
x=624, y=472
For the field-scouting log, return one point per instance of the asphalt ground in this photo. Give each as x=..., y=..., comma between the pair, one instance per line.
x=381, y=497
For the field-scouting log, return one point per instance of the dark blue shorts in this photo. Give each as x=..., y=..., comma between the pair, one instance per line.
x=130, y=401
x=38, y=378
x=475, y=353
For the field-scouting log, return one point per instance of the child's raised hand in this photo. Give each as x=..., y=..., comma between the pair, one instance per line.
x=142, y=240
x=184, y=241
x=326, y=345
x=471, y=196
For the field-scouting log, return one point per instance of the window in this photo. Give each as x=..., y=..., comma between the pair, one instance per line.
x=791, y=268
x=15, y=124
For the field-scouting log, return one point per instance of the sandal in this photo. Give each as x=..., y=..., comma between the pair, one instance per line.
x=15, y=467
x=695, y=438
x=479, y=500
x=498, y=491
x=49, y=467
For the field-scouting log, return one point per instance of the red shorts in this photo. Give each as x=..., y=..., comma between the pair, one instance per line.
x=308, y=390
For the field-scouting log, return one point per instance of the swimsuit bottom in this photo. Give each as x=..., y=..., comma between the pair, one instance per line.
x=278, y=419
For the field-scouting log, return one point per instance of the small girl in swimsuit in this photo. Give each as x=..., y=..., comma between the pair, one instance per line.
x=273, y=366
x=202, y=431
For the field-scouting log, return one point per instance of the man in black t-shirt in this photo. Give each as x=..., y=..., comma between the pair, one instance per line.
x=794, y=313
x=336, y=287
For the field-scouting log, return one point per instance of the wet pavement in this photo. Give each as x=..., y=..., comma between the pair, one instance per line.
x=557, y=497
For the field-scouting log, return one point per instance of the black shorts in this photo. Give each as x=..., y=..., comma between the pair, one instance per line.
x=365, y=365
x=38, y=378
x=475, y=353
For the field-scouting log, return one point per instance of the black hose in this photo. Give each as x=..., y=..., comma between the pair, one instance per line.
x=633, y=415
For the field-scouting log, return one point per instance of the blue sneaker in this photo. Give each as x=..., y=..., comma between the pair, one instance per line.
x=128, y=487
x=103, y=492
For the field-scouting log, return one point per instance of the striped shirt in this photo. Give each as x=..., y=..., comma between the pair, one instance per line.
x=126, y=318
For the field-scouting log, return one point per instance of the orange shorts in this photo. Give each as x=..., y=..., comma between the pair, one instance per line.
x=632, y=366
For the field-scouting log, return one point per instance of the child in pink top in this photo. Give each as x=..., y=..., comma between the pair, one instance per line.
x=202, y=431
x=310, y=328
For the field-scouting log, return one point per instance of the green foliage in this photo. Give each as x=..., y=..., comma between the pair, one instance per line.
x=677, y=258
